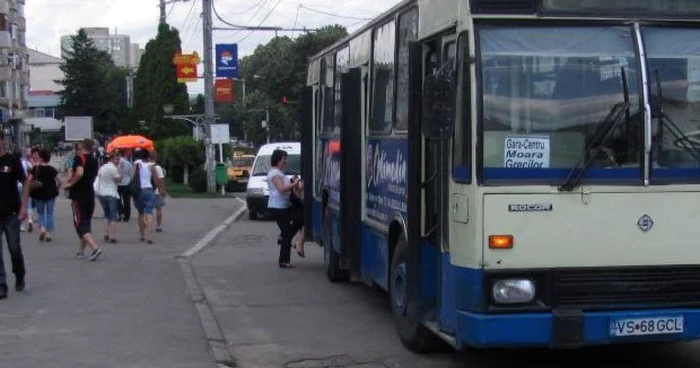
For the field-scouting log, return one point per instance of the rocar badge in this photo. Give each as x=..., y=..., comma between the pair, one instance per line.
x=530, y=207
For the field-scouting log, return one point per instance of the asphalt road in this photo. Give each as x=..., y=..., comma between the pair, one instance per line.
x=296, y=318
x=131, y=308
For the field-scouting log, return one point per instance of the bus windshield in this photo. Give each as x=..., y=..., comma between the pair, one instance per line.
x=673, y=59
x=546, y=90
x=262, y=165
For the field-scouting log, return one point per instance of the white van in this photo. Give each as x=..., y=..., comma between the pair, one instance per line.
x=257, y=192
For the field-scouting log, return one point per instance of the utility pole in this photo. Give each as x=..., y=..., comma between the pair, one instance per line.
x=267, y=123
x=162, y=11
x=208, y=91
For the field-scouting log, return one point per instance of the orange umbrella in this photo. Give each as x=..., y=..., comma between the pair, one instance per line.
x=130, y=142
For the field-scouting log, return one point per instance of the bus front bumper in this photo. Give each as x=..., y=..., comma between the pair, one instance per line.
x=567, y=329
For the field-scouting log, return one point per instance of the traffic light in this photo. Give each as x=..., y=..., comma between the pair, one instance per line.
x=284, y=100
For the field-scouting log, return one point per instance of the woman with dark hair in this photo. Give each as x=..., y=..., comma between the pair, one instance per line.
x=43, y=191
x=279, y=203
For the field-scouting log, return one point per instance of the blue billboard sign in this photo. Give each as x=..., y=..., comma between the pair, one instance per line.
x=227, y=60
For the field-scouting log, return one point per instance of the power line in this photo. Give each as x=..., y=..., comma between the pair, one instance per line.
x=237, y=28
x=331, y=14
x=262, y=21
x=259, y=3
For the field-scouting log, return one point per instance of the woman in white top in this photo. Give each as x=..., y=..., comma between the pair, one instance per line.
x=146, y=201
x=278, y=204
x=107, y=191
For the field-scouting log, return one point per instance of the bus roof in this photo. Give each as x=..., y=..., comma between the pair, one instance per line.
x=368, y=26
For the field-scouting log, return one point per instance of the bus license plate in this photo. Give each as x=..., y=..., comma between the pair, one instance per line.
x=646, y=326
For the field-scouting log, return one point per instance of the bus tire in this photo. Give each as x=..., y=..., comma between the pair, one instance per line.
x=252, y=216
x=412, y=333
x=332, y=259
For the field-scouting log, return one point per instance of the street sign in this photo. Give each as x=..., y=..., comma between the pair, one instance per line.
x=220, y=134
x=223, y=90
x=227, y=60
x=186, y=66
x=77, y=128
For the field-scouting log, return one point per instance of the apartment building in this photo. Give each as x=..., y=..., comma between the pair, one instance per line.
x=119, y=46
x=14, y=69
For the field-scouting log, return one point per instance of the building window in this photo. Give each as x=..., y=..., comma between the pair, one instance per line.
x=3, y=22
x=3, y=89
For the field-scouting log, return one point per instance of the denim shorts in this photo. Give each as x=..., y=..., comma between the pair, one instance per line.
x=160, y=201
x=146, y=201
x=110, y=206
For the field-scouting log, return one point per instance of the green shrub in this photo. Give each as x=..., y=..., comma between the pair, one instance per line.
x=198, y=180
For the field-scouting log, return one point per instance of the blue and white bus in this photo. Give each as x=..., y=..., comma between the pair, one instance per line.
x=514, y=173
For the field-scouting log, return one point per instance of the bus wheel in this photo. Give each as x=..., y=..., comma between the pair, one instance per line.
x=413, y=334
x=331, y=257
x=252, y=215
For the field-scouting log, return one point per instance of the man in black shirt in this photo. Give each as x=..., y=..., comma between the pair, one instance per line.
x=82, y=194
x=13, y=210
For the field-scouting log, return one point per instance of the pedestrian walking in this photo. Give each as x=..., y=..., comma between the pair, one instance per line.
x=160, y=192
x=13, y=209
x=148, y=181
x=279, y=204
x=44, y=188
x=107, y=191
x=27, y=164
x=125, y=169
x=82, y=195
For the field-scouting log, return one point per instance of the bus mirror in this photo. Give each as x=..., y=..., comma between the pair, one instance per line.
x=438, y=106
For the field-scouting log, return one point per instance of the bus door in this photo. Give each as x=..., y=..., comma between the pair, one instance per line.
x=438, y=58
x=351, y=142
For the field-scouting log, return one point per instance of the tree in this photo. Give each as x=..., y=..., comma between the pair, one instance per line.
x=274, y=70
x=156, y=85
x=92, y=85
x=198, y=105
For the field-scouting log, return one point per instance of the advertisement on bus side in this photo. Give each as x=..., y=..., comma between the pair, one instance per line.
x=386, y=166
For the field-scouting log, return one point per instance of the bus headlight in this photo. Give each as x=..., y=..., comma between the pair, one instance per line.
x=513, y=291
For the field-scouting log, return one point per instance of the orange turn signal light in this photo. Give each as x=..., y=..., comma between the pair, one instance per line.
x=501, y=241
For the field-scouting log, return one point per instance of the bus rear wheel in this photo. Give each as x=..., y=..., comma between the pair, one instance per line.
x=412, y=333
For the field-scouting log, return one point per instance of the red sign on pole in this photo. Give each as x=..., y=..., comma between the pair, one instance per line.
x=186, y=67
x=223, y=90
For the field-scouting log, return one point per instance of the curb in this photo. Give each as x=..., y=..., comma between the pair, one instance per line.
x=214, y=335
x=207, y=239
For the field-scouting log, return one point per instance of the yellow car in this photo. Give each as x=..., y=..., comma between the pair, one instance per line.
x=239, y=172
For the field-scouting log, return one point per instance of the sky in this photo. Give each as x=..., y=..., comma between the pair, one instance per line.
x=48, y=20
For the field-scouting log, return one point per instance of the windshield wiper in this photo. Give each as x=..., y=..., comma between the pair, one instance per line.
x=665, y=121
x=600, y=137
x=595, y=146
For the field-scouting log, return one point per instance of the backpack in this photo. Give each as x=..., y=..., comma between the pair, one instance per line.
x=135, y=184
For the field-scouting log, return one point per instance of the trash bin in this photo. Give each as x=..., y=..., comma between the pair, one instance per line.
x=221, y=174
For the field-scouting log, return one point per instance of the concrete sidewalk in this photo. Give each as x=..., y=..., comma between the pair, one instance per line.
x=273, y=318
x=296, y=318
x=131, y=308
